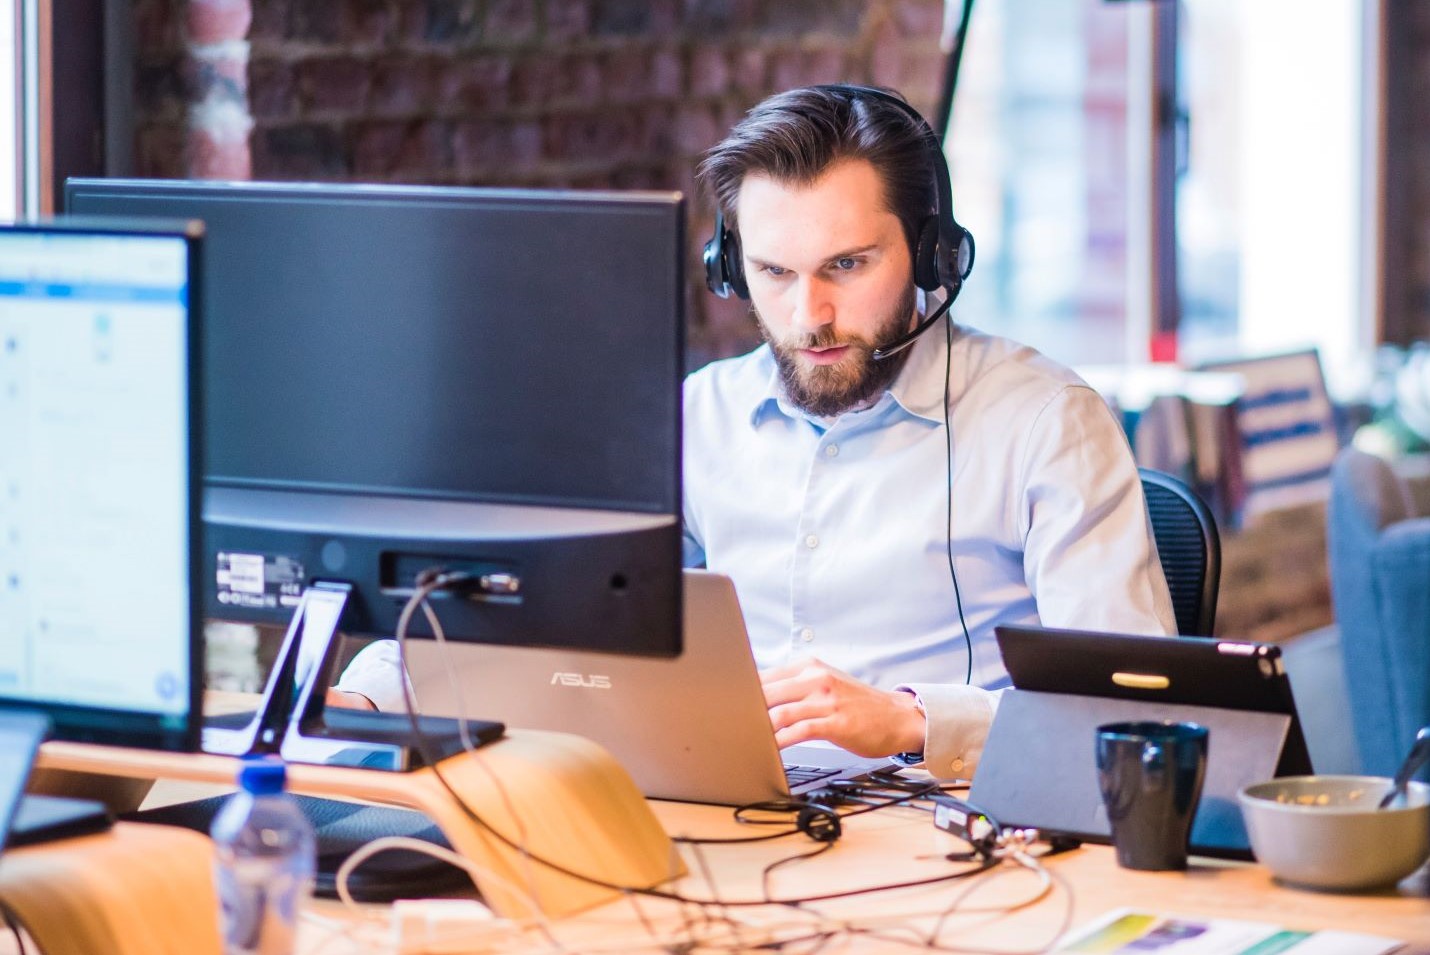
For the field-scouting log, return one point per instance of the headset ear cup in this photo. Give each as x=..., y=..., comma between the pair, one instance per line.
x=961, y=261
x=926, y=269
x=714, y=267
x=734, y=265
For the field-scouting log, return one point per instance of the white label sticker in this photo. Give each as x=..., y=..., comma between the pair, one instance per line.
x=245, y=573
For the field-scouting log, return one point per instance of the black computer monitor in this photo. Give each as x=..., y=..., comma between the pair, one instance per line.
x=99, y=471
x=403, y=378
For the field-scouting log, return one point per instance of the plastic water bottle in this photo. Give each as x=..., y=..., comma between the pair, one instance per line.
x=264, y=860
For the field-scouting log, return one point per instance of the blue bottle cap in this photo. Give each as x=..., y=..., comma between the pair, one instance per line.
x=262, y=777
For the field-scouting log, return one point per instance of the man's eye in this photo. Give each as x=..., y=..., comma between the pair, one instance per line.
x=775, y=270
x=846, y=264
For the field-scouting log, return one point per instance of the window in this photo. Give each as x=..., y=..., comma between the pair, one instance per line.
x=1058, y=163
x=1038, y=151
x=26, y=153
x=9, y=110
x=1269, y=194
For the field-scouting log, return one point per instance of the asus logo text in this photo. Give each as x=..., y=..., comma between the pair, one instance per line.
x=591, y=681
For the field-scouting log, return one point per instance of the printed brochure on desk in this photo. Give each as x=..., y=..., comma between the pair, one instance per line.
x=1130, y=932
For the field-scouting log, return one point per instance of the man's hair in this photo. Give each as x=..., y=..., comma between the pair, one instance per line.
x=795, y=136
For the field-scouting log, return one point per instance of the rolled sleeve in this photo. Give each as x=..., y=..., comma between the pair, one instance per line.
x=958, y=720
x=376, y=672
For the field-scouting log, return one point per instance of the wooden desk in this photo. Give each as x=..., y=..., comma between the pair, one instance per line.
x=901, y=844
x=886, y=846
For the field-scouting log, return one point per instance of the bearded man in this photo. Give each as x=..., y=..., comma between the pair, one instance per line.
x=881, y=508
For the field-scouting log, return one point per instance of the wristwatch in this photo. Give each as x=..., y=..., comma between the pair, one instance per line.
x=913, y=758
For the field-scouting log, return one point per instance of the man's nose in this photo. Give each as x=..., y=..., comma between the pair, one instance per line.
x=813, y=307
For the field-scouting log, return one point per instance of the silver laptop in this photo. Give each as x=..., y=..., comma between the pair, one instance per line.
x=693, y=728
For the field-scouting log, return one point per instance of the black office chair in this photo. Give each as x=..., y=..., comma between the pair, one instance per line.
x=1189, y=547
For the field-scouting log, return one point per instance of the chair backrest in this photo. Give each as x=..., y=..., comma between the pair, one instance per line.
x=1378, y=542
x=1189, y=547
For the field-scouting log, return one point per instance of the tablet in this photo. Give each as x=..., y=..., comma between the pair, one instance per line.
x=1038, y=767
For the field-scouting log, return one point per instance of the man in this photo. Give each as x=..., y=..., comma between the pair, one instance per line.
x=880, y=516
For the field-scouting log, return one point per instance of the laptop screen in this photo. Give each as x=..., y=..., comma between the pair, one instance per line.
x=95, y=509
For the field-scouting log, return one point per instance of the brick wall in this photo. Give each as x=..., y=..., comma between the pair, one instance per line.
x=547, y=93
x=191, y=89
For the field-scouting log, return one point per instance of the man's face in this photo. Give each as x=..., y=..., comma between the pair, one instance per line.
x=830, y=279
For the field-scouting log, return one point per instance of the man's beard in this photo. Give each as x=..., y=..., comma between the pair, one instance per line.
x=852, y=382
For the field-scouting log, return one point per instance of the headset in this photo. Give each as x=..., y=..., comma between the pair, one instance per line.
x=943, y=249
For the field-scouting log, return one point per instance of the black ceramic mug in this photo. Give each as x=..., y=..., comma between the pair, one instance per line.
x=1151, y=777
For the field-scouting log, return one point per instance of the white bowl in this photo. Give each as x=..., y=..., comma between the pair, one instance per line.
x=1325, y=832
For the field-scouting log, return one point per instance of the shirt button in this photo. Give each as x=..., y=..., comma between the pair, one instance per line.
x=807, y=635
x=811, y=542
x=956, y=765
x=831, y=451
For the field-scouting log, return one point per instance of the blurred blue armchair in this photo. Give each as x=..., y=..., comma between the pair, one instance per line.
x=1379, y=542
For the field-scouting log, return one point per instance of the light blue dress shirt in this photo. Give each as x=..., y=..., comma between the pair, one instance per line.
x=835, y=531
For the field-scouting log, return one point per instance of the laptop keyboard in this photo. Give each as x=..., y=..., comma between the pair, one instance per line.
x=799, y=775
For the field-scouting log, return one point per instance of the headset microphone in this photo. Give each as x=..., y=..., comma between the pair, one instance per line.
x=899, y=344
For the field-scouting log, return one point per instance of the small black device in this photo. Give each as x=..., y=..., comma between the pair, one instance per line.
x=943, y=252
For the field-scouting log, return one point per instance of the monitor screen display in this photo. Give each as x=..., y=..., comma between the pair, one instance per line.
x=97, y=518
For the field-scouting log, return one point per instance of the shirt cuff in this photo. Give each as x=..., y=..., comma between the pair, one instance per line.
x=374, y=673
x=958, y=718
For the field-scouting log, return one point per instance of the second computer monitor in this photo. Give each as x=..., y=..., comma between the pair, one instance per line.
x=404, y=378
x=99, y=479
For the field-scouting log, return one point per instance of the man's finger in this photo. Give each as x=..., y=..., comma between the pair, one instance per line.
x=802, y=710
x=788, y=689
x=805, y=731
x=785, y=670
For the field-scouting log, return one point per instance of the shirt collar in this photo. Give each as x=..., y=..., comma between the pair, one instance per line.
x=767, y=399
x=918, y=389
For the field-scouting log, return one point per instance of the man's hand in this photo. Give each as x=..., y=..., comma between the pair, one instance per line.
x=348, y=700
x=812, y=700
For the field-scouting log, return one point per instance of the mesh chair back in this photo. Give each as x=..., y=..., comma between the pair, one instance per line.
x=1189, y=547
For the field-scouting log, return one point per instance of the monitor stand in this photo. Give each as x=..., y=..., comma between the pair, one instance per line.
x=293, y=721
